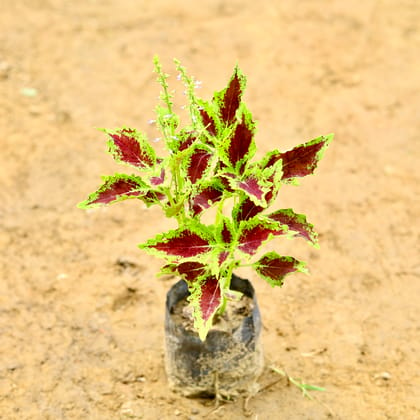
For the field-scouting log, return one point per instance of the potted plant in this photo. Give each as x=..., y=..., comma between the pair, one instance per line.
x=212, y=320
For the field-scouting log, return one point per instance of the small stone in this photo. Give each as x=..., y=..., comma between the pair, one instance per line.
x=35, y=110
x=5, y=69
x=62, y=116
x=12, y=365
x=177, y=412
x=383, y=375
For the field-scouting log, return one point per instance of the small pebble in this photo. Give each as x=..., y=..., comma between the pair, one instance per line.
x=35, y=110
x=383, y=375
x=5, y=69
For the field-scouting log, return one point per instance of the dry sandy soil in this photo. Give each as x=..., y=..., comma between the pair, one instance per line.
x=81, y=311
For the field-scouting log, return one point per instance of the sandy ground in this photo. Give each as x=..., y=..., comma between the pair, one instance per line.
x=81, y=311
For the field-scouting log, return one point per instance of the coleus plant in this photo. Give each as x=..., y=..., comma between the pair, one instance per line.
x=209, y=164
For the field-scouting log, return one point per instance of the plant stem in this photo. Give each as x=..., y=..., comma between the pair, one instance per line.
x=166, y=96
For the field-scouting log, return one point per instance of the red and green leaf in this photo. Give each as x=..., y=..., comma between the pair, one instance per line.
x=241, y=146
x=270, y=159
x=302, y=160
x=272, y=171
x=253, y=187
x=158, y=180
x=190, y=271
x=210, y=297
x=116, y=188
x=226, y=235
x=256, y=231
x=260, y=184
x=273, y=267
x=131, y=147
x=229, y=99
x=185, y=242
x=208, y=122
x=245, y=210
x=152, y=197
x=296, y=223
x=205, y=198
x=198, y=164
x=188, y=138
x=205, y=298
